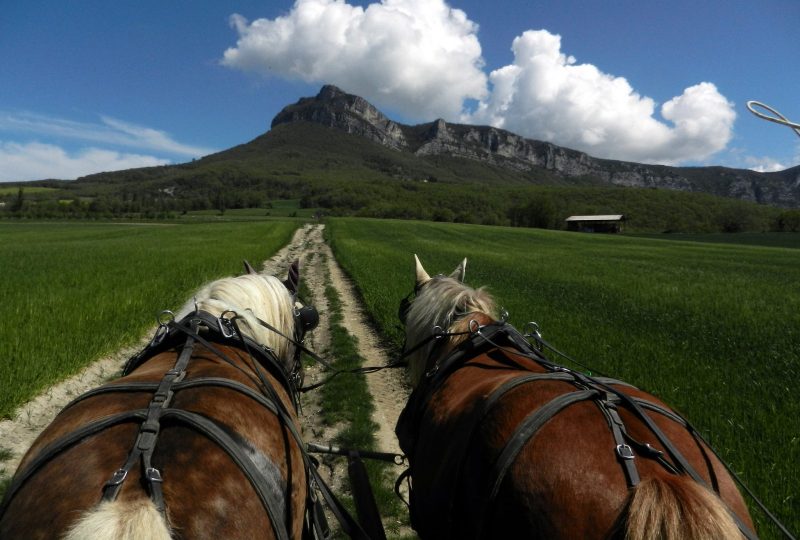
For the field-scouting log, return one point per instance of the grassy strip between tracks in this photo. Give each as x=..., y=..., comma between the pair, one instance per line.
x=346, y=401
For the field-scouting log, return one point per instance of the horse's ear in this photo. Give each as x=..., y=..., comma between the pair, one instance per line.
x=460, y=271
x=249, y=269
x=293, y=278
x=422, y=275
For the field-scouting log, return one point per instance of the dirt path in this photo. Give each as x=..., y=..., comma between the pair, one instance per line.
x=317, y=263
x=388, y=390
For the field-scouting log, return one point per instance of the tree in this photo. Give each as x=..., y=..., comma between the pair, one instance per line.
x=788, y=221
x=19, y=202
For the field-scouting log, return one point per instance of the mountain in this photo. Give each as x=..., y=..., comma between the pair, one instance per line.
x=354, y=115
x=338, y=154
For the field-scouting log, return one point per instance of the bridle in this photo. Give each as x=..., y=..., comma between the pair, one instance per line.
x=438, y=332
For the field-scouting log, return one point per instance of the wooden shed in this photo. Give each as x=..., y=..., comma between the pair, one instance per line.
x=606, y=224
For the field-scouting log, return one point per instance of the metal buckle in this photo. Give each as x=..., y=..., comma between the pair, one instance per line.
x=152, y=474
x=474, y=327
x=117, y=478
x=226, y=328
x=625, y=452
x=531, y=331
x=431, y=372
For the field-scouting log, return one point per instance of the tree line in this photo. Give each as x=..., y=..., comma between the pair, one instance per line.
x=530, y=206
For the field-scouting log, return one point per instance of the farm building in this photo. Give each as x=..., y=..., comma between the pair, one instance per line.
x=607, y=224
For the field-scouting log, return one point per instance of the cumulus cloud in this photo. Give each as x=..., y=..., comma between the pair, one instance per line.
x=545, y=94
x=36, y=161
x=418, y=57
x=423, y=59
x=109, y=131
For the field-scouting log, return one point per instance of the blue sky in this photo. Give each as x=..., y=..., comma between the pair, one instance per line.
x=87, y=86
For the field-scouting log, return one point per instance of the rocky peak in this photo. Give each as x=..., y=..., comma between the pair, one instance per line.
x=337, y=109
x=352, y=114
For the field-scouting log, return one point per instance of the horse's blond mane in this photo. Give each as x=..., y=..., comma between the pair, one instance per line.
x=442, y=302
x=252, y=297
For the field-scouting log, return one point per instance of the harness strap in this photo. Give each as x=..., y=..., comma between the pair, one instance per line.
x=681, y=461
x=527, y=429
x=263, y=489
x=148, y=432
x=350, y=526
x=226, y=332
x=633, y=404
x=249, y=346
x=624, y=452
x=529, y=426
x=58, y=446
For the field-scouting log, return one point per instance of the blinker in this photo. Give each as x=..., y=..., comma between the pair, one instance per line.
x=307, y=318
x=405, y=306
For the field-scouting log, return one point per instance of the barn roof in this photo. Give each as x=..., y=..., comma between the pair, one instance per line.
x=610, y=217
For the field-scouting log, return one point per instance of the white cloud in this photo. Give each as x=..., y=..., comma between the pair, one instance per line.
x=765, y=164
x=547, y=95
x=110, y=132
x=36, y=161
x=423, y=59
x=418, y=57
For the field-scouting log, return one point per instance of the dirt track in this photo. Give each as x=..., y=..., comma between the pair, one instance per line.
x=317, y=261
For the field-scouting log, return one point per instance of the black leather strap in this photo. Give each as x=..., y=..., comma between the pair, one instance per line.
x=211, y=430
x=60, y=445
x=527, y=429
x=499, y=335
x=145, y=444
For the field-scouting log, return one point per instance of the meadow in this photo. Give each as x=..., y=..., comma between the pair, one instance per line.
x=712, y=328
x=72, y=292
x=708, y=323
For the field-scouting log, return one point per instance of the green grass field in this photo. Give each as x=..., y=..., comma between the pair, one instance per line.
x=712, y=328
x=710, y=324
x=773, y=239
x=72, y=292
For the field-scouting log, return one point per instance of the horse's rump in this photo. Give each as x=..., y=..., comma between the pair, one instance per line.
x=567, y=468
x=206, y=494
x=503, y=443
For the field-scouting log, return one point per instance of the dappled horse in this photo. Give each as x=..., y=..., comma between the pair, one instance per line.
x=198, y=439
x=503, y=443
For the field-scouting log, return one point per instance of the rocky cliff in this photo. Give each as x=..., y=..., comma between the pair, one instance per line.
x=352, y=114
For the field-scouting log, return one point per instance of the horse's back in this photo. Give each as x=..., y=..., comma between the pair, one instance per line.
x=206, y=494
x=565, y=481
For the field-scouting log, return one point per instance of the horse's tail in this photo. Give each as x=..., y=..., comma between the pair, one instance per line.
x=121, y=520
x=673, y=508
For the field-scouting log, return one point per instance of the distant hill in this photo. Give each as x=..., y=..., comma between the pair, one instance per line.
x=338, y=153
x=499, y=148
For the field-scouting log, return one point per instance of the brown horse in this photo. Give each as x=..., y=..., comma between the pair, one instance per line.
x=198, y=439
x=503, y=443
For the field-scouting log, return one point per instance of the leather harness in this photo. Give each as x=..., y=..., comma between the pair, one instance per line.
x=224, y=331
x=502, y=336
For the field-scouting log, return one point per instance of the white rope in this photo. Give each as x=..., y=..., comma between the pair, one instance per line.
x=778, y=118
